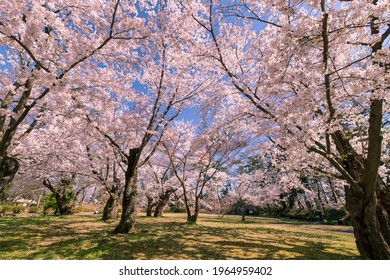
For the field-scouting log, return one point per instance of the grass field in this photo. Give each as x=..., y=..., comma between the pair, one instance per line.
x=86, y=237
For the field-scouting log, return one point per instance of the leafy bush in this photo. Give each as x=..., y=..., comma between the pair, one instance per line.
x=17, y=209
x=34, y=209
x=177, y=210
x=49, y=201
x=6, y=209
x=80, y=208
x=48, y=211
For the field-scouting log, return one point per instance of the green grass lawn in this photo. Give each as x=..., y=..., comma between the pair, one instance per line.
x=86, y=237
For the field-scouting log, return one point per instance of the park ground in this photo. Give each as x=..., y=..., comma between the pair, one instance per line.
x=84, y=236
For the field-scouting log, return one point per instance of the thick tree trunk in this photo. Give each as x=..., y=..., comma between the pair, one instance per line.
x=129, y=204
x=8, y=168
x=369, y=199
x=149, y=211
x=149, y=207
x=187, y=204
x=193, y=218
x=110, y=211
x=159, y=210
x=63, y=207
x=162, y=202
x=370, y=221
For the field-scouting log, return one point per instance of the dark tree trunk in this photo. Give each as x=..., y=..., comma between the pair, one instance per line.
x=334, y=194
x=65, y=206
x=110, y=211
x=347, y=191
x=8, y=168
x=291, y=198
x=283, y=202
x=159, y=210
x=162, y=202
x=186, y=204
x=149, y=207
x=62, y=207
x=149, y=211
x=370, y=221
x=242, y=211
x=309, y=207
x=369, y=199
x=129, y=204
x=193, y=218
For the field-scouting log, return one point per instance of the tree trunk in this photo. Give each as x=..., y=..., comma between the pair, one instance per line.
x=149, y=207
x=110, y=212
x=334, y=194
x=149, y=211
x=129, y=204
x=162, y=202
x=369, y=200
x=63, y=207
x=8, y=168
x=370, y=221
x=194, y=217
x=242, y=211
x=186, y=204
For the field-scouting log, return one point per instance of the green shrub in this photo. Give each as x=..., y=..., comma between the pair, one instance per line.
x=80, y=208
x=49, y=202
x=17, y=209
x=6, y=209
x=177, y=210
x=48, y=211
x=34, y=209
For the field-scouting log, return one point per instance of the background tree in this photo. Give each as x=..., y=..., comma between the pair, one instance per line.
x=107, y=171
x=198, y=160
x=156, y=184
x=63, y=194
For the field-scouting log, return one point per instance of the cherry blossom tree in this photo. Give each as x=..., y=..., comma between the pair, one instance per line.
x=244, y=193
x=49, y=49
x=198, y=160
x=156, y=184
x=152, y=86
x=56, y=159
x=309, y=79
x=106, y=169
x=329, y=59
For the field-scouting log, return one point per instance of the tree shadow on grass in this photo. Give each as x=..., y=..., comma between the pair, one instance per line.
x=88, y=238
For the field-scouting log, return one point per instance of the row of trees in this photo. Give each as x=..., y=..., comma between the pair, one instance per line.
x=93, y=89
